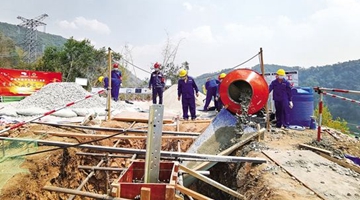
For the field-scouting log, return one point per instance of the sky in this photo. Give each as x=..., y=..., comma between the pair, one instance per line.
x=212, y=34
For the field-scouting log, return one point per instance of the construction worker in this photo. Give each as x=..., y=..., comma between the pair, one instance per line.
x=186, y=88
x=157, y=84
x=217, y=98
x=282, y=97
x=211, y=87
x=116, y=80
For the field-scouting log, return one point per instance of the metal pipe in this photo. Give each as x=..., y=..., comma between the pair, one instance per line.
x=116, y=129
x=205, y=157
x=81, y=193
x=101, y=168
x=337, y=90
x=102, y=155
x=342, y=98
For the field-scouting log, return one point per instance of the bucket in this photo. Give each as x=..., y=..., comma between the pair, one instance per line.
x=312, y=123
x=303, y=110
x=242, y=83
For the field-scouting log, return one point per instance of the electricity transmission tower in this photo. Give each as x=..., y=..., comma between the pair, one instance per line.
x=30, y=42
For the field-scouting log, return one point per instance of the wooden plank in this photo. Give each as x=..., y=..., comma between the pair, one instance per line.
x=138, y=117
x=196, y=121
x=340, y=162
x=228, y=151
x=145, y=193
x=191, y=193
x=323, y=177
x=81, y=193
x=316, y=149
x=84, y=135
x=212, y=182
x=170, y=192
x=332, y=134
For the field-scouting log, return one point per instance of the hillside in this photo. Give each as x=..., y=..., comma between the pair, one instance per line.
x=17, y=34
x=340, y=75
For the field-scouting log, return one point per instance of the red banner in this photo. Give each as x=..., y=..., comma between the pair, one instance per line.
x=16, y=82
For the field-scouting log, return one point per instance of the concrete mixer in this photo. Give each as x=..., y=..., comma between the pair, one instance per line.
x=244, y=90
x=244, y=93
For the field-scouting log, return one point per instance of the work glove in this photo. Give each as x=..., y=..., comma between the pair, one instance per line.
x=291, y=105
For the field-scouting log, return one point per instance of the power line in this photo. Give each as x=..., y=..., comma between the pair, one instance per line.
x=135, y=66
x=246, y=61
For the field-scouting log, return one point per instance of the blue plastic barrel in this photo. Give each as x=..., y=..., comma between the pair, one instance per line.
x=303, y=100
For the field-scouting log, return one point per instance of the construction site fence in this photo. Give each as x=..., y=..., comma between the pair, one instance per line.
x=323, y=91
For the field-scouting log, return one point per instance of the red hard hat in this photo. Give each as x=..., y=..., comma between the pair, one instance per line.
x=156, y=65
x=116, y=65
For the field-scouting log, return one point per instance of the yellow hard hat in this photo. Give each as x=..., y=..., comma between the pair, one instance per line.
x=101, y=78
x=182, y=73
x=280, y=72
x=222, y=75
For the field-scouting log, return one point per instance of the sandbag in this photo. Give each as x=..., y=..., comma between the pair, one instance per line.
x=100, y=111
x=31, y=111
x=65, y=113
x=11, y=112
x=82, y=111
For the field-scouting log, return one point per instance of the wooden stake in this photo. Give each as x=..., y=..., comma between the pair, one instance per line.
x=109, y=90
x=145, y=193
x=266, y=105
x=170, y=192
x=212, y=182
x=191, y=193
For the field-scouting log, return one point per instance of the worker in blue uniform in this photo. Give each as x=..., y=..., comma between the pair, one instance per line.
x=157, y=84
x=211, y=87
x=116, y=80
x=217, y=98
x=282, y=97
x=187, y=89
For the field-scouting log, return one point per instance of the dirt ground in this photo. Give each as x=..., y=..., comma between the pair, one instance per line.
x=269, y=181
x=60, y=167
x=265, y=181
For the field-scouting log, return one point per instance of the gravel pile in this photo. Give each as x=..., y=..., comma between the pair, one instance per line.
x=55, y=95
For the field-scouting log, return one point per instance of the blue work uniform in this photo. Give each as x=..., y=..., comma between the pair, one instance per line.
x=186, y=92
x=281, y=96
x=157, y=83
x=219, y=105
x=211, y=87
x=116, y=80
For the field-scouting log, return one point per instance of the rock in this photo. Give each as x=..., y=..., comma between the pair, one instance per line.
x=322, y=182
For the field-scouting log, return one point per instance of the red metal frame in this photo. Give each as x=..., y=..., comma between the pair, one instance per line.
x=258, y=85
x=130, y=189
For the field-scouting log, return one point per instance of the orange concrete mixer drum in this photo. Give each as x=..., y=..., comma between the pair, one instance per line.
x=239, y=83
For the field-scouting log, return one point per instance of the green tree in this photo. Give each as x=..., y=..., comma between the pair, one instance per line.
x=77, y=59
x=327, y=120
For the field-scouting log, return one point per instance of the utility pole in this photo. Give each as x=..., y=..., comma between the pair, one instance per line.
x=30, y=41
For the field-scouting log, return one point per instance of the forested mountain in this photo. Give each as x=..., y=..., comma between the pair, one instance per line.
x=17, y=34
x=340, y=75
x=58, y=55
